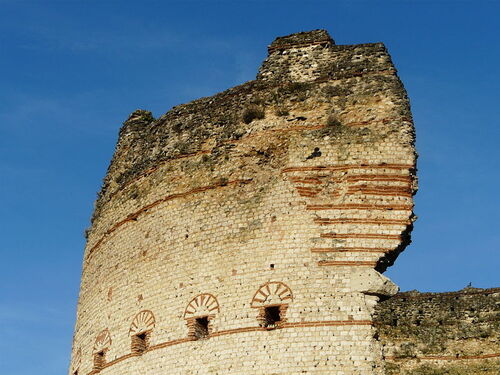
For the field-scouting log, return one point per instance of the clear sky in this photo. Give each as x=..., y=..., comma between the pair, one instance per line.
x=72, y=71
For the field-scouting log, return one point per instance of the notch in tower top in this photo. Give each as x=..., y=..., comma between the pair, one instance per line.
x=302, y=39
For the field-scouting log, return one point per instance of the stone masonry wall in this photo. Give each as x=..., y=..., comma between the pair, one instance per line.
x=441, y=333
x=245, y=233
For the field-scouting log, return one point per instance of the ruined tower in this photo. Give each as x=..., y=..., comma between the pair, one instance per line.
x=246, y=233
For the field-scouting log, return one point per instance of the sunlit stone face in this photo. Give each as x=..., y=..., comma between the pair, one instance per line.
x=255, y=222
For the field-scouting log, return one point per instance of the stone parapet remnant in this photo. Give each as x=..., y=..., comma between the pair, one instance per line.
x=441, y=333
x=247, y=232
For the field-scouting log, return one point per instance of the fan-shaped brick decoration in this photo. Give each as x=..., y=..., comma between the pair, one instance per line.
x=102, y=341
x=143, y=322
x=272, y=293
x=202, y=305
x=272, y=300
x=199, y=313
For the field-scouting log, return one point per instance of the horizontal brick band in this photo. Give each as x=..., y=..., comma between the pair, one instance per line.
x=355, y=206
x=378, y=177
x=362, y=235
x=351, y=249
x=170, y=343
x=133, y=216
x=391, y=189
x=287, y=325
x=347, y=263
x=444, y=357
x=347, y=167
x=326, y=221
x=115, y=361
x=308, y=192
x=308, y=195
x=238, y=330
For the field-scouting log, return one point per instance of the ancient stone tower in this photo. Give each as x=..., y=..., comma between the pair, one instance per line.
x=246, y=233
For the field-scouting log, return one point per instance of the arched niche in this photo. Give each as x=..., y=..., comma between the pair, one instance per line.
x=140, y=331
x=272, y=300
x=101, y=346
x=199, y=313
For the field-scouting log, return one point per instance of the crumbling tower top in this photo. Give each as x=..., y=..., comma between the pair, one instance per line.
x=301, y=39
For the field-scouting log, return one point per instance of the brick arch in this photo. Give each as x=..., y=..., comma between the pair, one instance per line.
x=144, y=321
x=102, y=341
x=272, y=293
x=202, y=305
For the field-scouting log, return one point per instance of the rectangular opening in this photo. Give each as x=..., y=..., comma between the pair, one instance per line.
x=99, y=360
x=140, y=343
x=272, y=316
x=201, y=327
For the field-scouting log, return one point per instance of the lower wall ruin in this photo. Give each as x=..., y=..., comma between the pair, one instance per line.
x=454, y=333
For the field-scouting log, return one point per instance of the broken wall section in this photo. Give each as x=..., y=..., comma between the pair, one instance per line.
x=441, y=333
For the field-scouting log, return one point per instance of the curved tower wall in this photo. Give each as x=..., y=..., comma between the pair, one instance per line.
x=266, y=211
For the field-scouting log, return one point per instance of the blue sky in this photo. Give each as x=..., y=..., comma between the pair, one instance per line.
x=72, y=71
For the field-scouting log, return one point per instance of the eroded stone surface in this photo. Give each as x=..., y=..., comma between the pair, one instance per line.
x=441, y=333
x=271, y=206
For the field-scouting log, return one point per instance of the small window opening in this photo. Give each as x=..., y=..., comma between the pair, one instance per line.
x=201, y=328
x=75, y=372
x=272, y=316
x=140, y=343
x=99, y=360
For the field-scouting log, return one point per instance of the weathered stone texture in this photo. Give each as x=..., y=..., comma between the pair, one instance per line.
x=253, y=225
x=441, y=333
